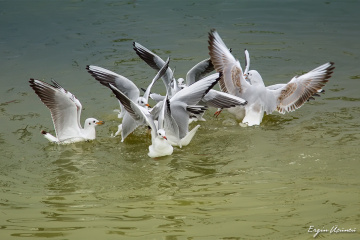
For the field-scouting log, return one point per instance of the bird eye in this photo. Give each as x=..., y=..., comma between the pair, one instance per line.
x=89, y=123
x=94, y=121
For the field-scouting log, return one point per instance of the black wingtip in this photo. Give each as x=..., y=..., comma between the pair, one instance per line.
x=214, y=83
x=220, y=76
x=56, y=84
x=168, y=104
x=43, y=132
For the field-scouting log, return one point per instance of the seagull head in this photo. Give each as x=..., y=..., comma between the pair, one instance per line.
x=93, y=122
x=181, y=83
x=161, y=134
x=254, y=77
x=143, y=102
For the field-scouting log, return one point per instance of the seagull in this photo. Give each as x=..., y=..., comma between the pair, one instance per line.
x=65, y=111
x=185, y=102
x=160, y=146
x=127, y=87
x=172, y=129
x=213, y=98
x=282, y=98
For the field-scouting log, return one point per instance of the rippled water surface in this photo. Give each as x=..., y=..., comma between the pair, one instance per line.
x=272, y=181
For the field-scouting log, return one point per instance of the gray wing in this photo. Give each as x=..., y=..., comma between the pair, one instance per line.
x=137, y=112
x=199, y=71
x=106, y=77
x=156, y=97
x=169, y=124
x=154, y=61
x=160, y=73
x=219, y=99
x=64, y=107
x=128, y=125
x=192, y=94
x=181, y=116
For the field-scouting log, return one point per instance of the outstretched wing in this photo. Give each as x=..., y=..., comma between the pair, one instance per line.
x=65, y=108
x=219, y=99
x=137, y=112
x=154, y=61
x=194, y=93
x=295, y=93
x=247, y=62
x=158, y=75
x=199, y=71
x=106, y=77
x=169, y=124
x=233, y=80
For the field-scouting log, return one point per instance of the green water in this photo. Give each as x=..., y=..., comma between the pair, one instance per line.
x=272, y=181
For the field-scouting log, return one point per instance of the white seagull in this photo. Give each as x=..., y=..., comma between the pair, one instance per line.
x=65, y=111
x=160, y=146
x=280, y=97
x=126, y=86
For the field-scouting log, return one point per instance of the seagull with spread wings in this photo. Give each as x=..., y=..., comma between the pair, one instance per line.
x=280, y=97
x=65, y=111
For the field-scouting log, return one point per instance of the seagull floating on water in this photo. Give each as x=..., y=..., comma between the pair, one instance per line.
x=65, y=111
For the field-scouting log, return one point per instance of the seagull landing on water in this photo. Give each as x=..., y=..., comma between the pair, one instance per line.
x=279, y=97
x=65, y=111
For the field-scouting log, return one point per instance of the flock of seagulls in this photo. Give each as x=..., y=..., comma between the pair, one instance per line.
x=243, y=93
